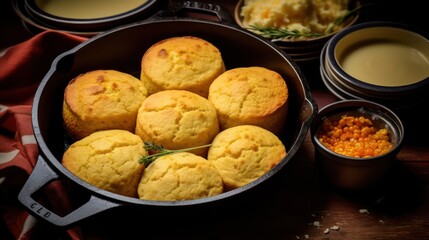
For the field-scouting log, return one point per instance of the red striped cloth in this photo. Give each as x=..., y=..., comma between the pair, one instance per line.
x=22, y=67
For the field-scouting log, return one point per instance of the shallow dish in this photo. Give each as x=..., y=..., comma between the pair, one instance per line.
x=397, y=77
x=354, y=172
x=77, y=17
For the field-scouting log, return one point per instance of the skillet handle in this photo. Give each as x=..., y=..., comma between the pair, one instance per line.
x=308, y=111
x=175, y=8
x=42, y=175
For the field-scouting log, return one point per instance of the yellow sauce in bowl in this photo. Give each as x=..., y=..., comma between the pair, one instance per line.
x=386, y=63
x=87, y=9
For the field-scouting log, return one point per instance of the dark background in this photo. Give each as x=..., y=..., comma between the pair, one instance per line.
x=412, y=12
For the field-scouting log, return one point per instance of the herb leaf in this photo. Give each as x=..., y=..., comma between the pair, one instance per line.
x=340, y=20
x=278, y=33
x=161, y=151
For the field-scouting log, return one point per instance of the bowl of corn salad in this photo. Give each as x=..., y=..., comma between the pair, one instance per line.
x=356, y=142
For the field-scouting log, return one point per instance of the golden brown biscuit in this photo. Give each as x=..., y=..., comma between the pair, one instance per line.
x=250, y=95
x=179, y=176
x=185, y=63
x=244, y=153
x=177, y=119
x=101, y=100
x=108, y=160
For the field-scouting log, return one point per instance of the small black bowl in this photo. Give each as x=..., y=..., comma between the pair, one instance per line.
x=354, y=173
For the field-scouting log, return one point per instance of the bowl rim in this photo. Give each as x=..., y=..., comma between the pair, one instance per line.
x=32, y=6
x=364, y=86
x=329, y=83
x=29, y=23
x=37, y=17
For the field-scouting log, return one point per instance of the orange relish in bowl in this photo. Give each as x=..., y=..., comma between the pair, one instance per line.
x=354, y=136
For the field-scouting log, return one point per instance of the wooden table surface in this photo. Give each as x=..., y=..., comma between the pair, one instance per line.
x=301, y=205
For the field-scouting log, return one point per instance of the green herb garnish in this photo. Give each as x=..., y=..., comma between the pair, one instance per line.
x=277, y=33
x=161, y=151
x=341, y=20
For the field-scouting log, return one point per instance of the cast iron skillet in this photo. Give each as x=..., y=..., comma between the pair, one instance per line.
x=122, y=49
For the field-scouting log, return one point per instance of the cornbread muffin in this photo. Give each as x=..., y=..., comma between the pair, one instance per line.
x=177, y=119
x=250, y=95
x=101, y=100
x=179, y=176
x=108, y=160
x=244, y=153
x=184, y=63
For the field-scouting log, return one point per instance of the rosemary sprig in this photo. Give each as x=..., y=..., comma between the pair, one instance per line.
x=277, y=33
x=340, y=20
x=161, y=151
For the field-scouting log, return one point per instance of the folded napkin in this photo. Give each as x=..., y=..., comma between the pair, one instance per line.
x=22, y=67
